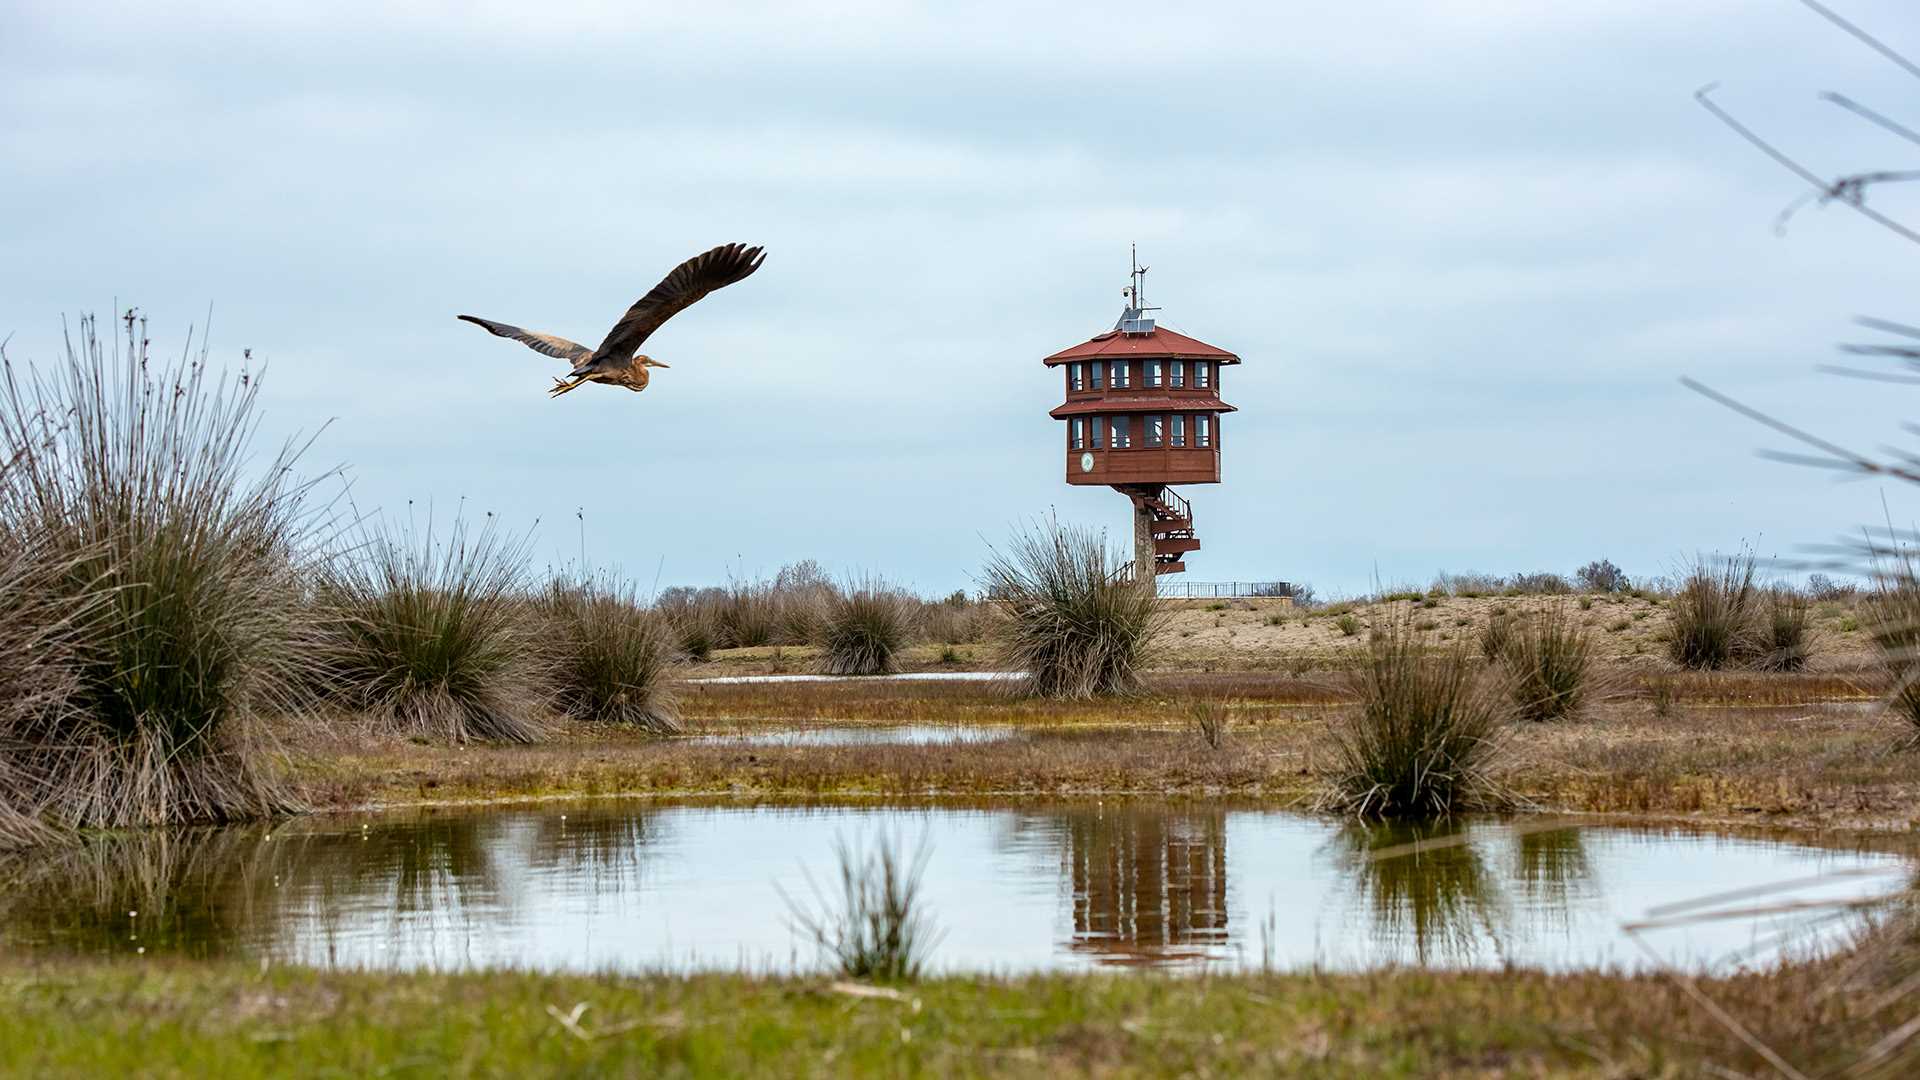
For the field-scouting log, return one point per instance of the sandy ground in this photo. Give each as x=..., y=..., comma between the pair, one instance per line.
x=1273, y=635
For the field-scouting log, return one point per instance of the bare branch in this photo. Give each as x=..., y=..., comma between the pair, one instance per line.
x=1872, y=117
x=1850, y=190
x=1872, y=42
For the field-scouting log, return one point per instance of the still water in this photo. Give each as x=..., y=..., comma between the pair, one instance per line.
x=632, y=885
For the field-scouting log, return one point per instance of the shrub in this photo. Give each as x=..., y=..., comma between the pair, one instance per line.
x=174, y=558
x=1549, y=658
x=865, y=626
x=800, y=595
x=614, y=661
x=1348, y=624
x=429, y=636
x=1713, y=614
x=1540, y=583
x=1425, y=735
x=1785, y=632
x=1824, y=589
x=1601, y=576
x=878, y=929
x=1072, y=620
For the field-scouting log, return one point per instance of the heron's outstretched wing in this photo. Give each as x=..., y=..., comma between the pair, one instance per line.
x=571, y=351
x=688, y=282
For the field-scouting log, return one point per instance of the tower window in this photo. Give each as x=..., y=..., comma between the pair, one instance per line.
x=1203, y=373
x=1076, y=378
x=1097, y=372
x=1079, y=432
x=1177, y=374
x=1120, y=375
x=1099, y=436
x=1156, y=429
x=1153, y=373
x=1203, y=430
x=1179, y=429
x=1122, y=433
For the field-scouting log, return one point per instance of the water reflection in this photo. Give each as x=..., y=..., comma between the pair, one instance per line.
x=1147, y=887
x=642, y=885
x=1424, y=886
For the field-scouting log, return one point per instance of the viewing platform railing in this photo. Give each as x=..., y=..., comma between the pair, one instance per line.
x=1222, y=590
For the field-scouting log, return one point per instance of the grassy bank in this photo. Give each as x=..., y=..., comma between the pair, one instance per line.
x=1715, y=746
x=237, y=1020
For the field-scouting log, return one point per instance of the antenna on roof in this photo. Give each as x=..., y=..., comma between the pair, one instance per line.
x=1135, y=320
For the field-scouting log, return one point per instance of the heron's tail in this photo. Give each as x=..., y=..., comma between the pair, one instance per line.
x=561, y=387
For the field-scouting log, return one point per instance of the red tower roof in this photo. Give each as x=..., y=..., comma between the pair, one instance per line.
x=1158, y=342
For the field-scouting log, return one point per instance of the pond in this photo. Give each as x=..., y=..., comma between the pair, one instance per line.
x=879, y=735
x=633, y=885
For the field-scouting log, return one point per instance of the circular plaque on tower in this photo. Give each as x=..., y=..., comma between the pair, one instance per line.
x=1086, y=462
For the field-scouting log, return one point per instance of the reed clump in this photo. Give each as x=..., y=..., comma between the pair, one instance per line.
x=879, y=930
x=428, y=635
x=1712, y=618
x=1549, y=661
x=1785, y=632
x=1071, y=619
x=1427, y=734
x=1893, y=621
x=170, y=560
x=614, y=659
x=864, y=627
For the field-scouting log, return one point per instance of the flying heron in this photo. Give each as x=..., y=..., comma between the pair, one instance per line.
x=617, y=361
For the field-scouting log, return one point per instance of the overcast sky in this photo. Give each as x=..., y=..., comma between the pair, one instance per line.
x=1465, y=249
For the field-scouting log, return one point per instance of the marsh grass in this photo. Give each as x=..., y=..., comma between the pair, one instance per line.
x=1070, y=619
x=1426, y=735
x=1497, y=635
x=1209, y=721
x=614, y=660
x=174, y=557
x=1893, y=622
x=864, y=627
x=1712, y=617
x=36, y=680
x=1549, y=661
x=879, y=929
x=430, y=634
x=1784, y=639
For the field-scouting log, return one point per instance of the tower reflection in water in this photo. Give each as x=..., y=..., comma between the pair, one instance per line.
x=1148, y=886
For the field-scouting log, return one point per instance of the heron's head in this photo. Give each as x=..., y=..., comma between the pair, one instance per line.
x=647, y=361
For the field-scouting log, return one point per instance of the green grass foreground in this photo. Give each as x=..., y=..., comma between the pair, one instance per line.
x=170, y=1018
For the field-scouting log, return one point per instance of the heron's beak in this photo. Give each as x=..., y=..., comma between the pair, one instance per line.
x=651, y=362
